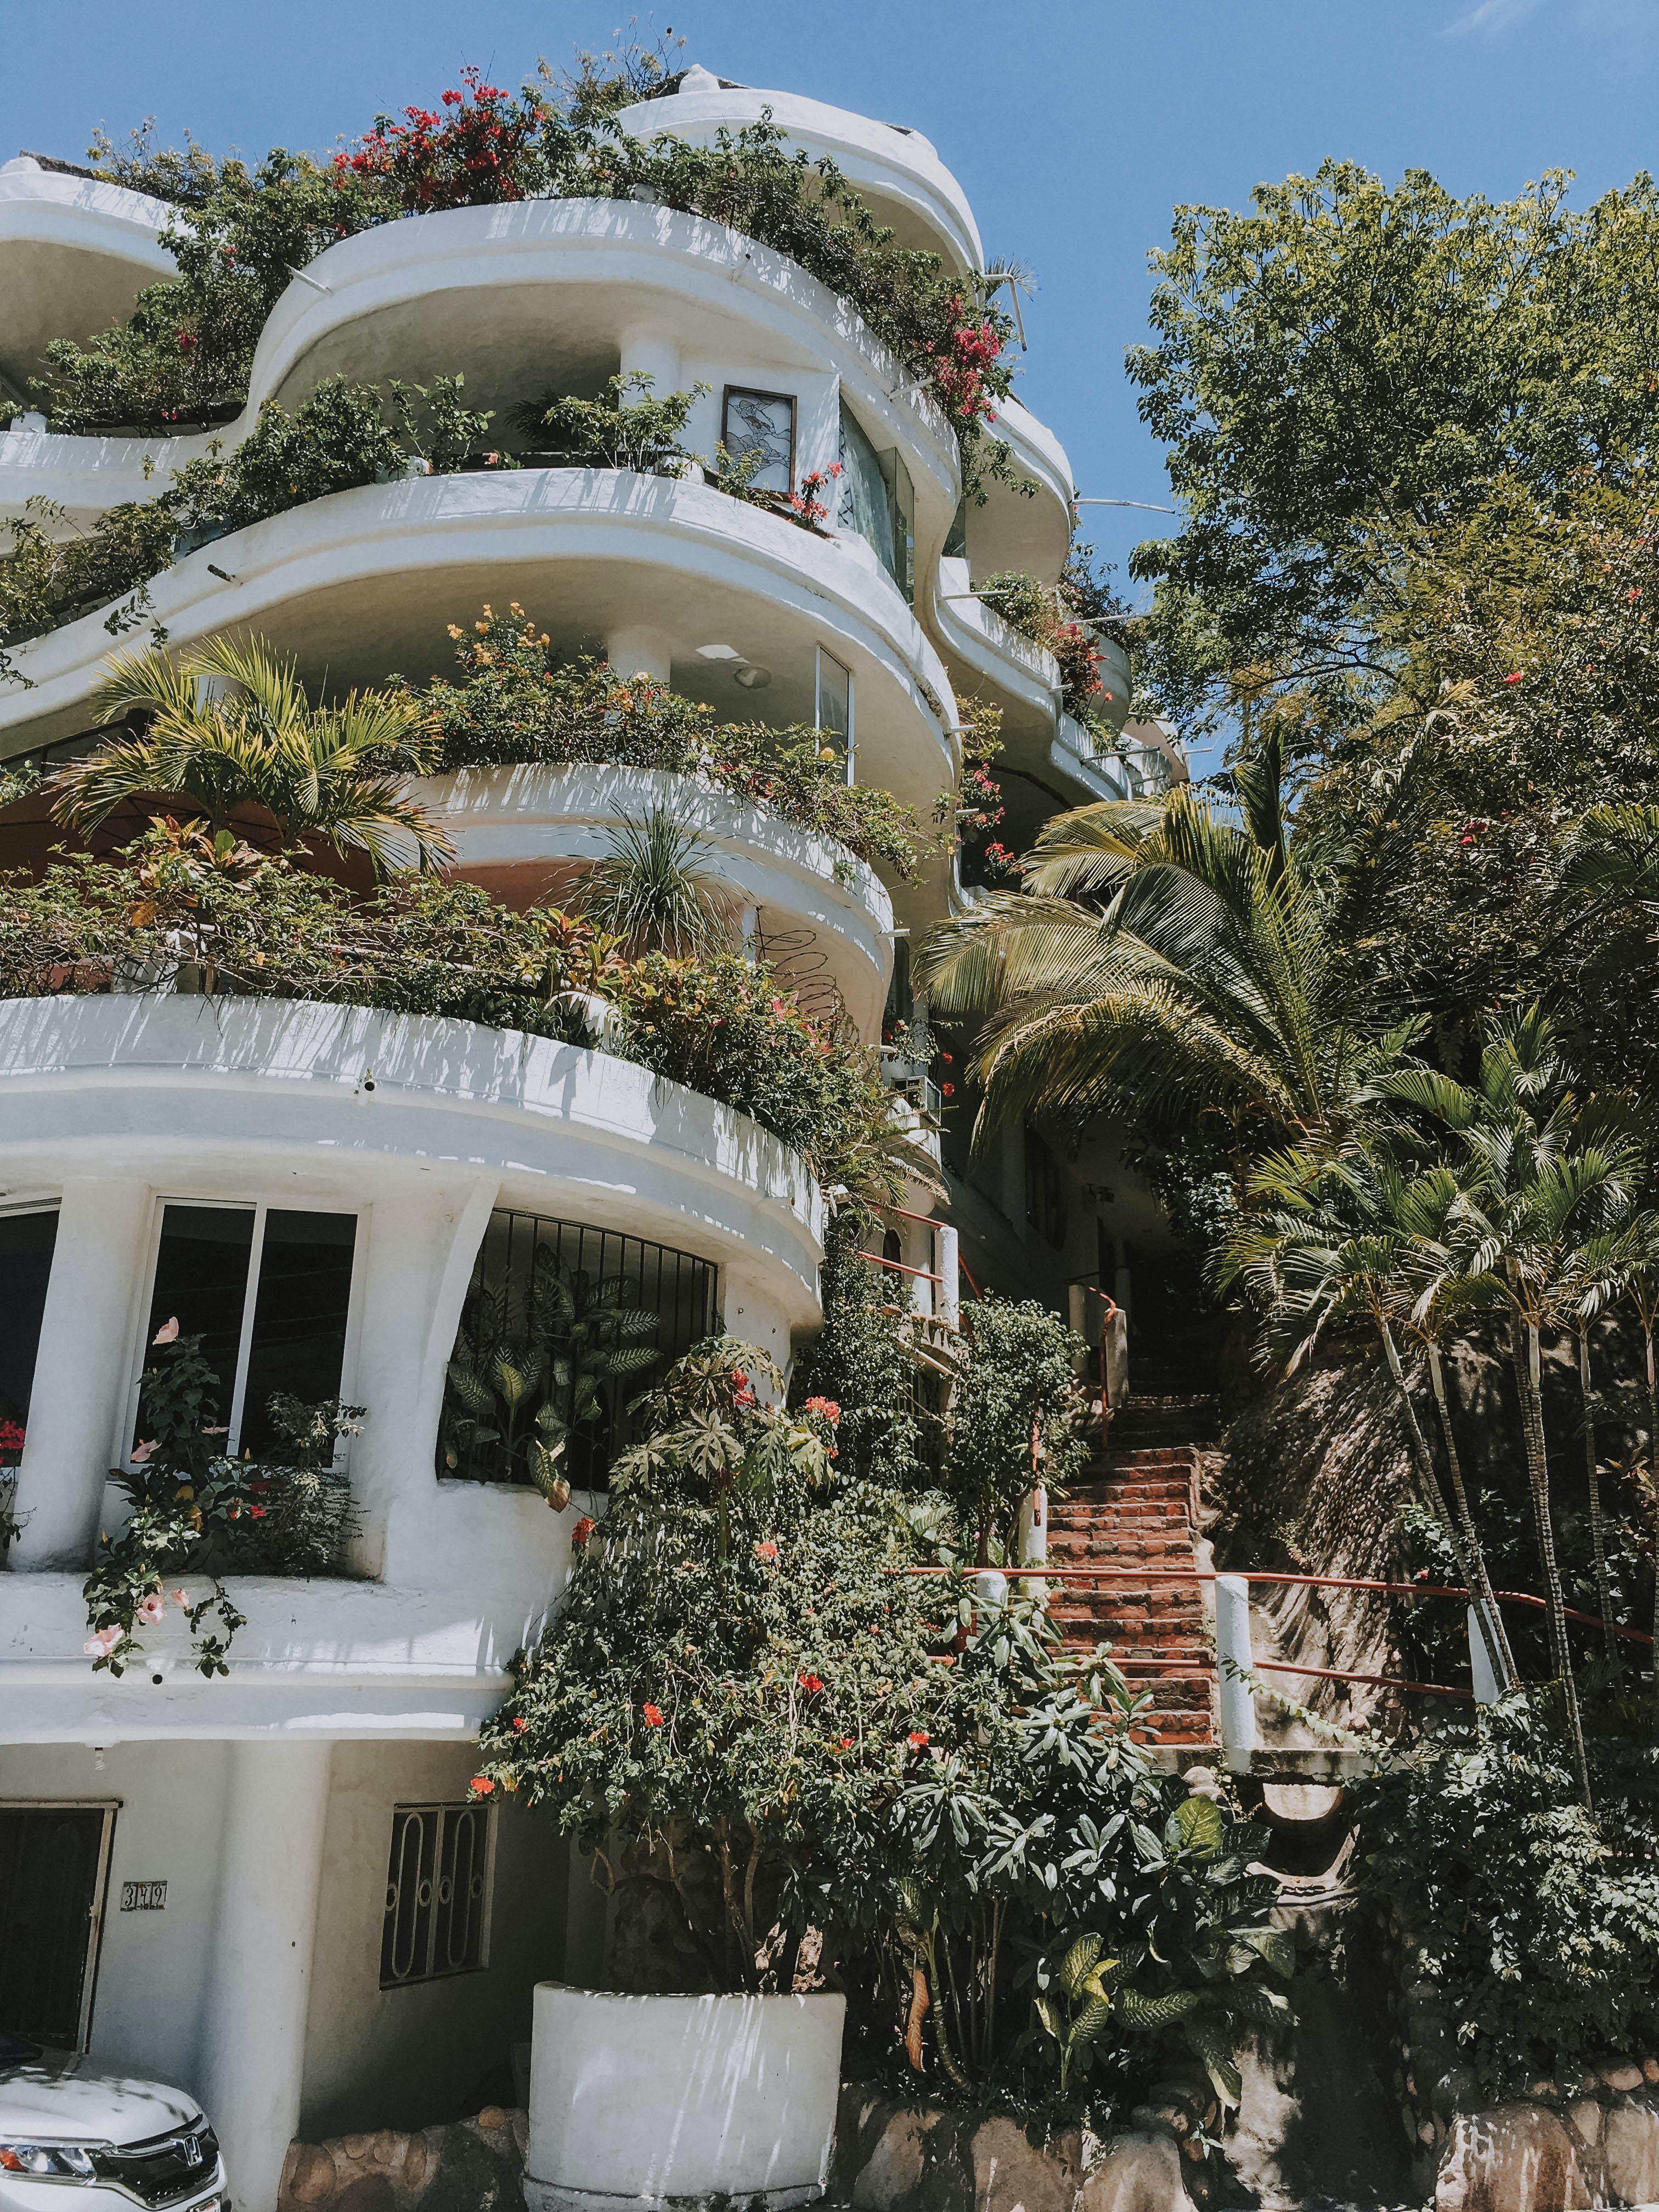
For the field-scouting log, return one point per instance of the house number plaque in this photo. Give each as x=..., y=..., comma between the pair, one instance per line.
x=143, y=1897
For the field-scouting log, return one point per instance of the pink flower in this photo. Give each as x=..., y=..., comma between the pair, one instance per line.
x=151, y=1609
x=1515, y=678
x=652, y=1717
x=168, y=1333
x=99, y=1645
x=767, y=1551
x=140, y=1453
x=223, y=1430
x=182, y=1599
x=827, y=1407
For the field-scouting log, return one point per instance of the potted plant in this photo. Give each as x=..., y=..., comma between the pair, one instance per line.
x=735, y=1673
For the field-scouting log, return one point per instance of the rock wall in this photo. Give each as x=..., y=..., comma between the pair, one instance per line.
x=1567, y=2147
x=468, y=2165
x=892, y=2157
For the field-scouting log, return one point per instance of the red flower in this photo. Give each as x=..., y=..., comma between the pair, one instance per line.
x=845, y=1743
x=1515, y=678
x=811, y=1683
x=652, y=1717
x=481, y=1785
x=918, y=1739
x=947, y=1090
x=258, y=1512
x=186, y=341
x=583, y=1529
x=827, y=1407
x=518, y=1723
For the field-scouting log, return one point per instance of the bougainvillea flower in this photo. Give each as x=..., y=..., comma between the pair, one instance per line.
x=1515, y=678
x=583, y=1529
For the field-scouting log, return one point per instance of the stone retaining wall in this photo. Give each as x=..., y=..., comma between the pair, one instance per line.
x=468, y=2166
x=1567, y=2146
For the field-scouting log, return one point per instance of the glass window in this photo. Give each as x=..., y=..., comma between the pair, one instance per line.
x=877, y=502
x=267, y=1289
x=761, y=423
x=437, y=1892
x=25, y=1248
x=834, y=712
x=587, y=1318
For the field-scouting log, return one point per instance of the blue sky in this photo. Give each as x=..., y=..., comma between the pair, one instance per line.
x=1074, y=127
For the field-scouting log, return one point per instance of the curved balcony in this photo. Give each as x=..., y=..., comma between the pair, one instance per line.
x=74, y=255
x=896, y=171
x=551, y=295
x=986, y=651
x=420, y=1129
x=1012, y=529
x=528, y=833
x=365, y=581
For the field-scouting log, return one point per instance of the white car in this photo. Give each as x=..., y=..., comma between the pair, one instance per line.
x=65, y=2123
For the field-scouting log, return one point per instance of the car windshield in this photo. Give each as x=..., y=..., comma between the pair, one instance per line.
x=14, y=2051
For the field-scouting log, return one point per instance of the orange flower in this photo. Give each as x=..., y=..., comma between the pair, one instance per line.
x=481, y=1785
x=652, y=1717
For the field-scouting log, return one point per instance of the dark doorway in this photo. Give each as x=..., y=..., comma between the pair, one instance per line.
x=52, y=1864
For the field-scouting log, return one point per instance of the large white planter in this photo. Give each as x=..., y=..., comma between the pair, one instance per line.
x=668, y=2100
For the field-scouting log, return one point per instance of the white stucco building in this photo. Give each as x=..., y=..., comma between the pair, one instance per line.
x=272, y=1887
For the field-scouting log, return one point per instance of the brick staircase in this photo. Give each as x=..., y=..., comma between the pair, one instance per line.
x=1137, y=1505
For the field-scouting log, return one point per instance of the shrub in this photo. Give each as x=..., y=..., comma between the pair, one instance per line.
x=343, y=435
x=192, y=906
x=1534, y=1923
x=626, y=428
x=1039, y=612
x=1016, y=1417
x=861, y=1363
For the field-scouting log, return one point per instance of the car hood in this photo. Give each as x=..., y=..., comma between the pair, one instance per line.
x=72, y=2101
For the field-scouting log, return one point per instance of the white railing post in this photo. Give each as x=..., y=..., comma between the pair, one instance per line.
x=1232, y=1650
x=1487, y=1690
x=947, y=1267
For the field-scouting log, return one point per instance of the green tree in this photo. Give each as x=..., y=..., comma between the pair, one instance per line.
x=1167, y=961
x=1345, y=355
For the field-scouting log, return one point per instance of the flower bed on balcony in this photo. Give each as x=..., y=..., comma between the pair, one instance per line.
x=512, y=704
x=201, y=913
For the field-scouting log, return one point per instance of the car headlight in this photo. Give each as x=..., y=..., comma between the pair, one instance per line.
x=46, y=2161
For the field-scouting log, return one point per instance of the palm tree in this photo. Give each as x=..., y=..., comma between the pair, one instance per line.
x=225, y=724
x=650, y=893
x=1331, y=1238
x=1168, y=956
x=1549, y=1175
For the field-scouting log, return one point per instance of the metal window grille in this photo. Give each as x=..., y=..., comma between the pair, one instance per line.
x=437, y=1887
x=677, y=1287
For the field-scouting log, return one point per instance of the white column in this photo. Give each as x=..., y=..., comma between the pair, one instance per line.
x=637, y=648
x=80, y=1371
x=1232, y=1643
x=422, y=1247
x=1031, y=1539
x=916, y=1245
x=947, y=1266
x=754, y=1316
x=253, y=2024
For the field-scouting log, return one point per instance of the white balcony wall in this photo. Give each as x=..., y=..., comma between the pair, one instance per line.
x=74, y=255
x=368, y=580
x=896, y=171
x=419, y=1127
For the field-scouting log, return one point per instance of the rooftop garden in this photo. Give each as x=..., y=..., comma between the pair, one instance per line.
x=238, y=234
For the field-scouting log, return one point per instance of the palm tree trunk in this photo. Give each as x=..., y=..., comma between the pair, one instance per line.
x=1598, y=1545
x=1524, y=1345
x=1503, y=1665
x=1493, y=1633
